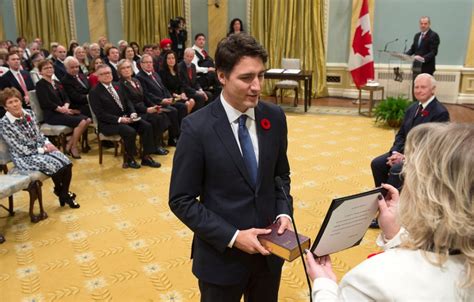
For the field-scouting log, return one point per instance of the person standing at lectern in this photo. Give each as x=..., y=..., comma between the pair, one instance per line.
x=424, y=48
x=223, y=180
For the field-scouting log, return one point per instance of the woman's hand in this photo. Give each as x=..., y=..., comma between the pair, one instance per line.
x=49, y=148
x=388, y=208
x=320, y=267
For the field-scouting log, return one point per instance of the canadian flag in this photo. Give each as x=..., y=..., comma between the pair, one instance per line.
x=361, y=57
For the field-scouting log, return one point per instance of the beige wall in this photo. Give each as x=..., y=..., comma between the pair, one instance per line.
x=217, y=24
x=97, y=19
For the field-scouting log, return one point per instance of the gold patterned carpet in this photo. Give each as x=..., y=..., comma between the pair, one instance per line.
x=124, y=244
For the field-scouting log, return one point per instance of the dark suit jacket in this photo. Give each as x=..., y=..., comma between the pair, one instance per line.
x=208, y=165
x=435, y=112
x=136, y=95
x=59, y=69
x=189, y=85
x=48, y=98
x=428, y=49
x=9, y=80
x=114, y=72
x=154, y=92
x=104, y=106
x=76, y=92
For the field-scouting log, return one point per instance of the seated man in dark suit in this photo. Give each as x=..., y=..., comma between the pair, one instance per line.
x=189, y=81
x=76, y=86
x=387, y=167
x=113, y=57
x=17, y=78
x=59, y=68
x=157, y=93
x=116, y=115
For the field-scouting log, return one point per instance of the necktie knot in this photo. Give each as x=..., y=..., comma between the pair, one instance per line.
x=242, y=120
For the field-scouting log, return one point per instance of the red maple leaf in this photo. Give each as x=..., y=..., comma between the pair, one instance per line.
x=360, y=42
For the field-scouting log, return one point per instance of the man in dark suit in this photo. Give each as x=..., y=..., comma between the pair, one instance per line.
x=156, y=92
x=113, y=57
x=189, y=81
x=15, y=77
x=76, y=86
x=387, y=167
x=223, y=180
x=424, y=48
x=59, y=68
x=116, y=115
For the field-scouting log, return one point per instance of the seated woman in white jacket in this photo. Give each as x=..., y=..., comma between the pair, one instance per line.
x=430, y=258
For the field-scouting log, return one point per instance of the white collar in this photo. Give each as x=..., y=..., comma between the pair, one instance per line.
x=12, y=118
x=427, y=102
x=234, y=114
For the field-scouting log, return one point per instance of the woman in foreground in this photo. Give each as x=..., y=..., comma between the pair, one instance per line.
x=30, y=150
x=427, y=232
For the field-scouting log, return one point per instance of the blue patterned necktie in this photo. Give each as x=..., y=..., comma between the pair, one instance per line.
x=248, y=152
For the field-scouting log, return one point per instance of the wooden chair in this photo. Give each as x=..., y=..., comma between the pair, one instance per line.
x=115, y=139
x=287, y=63
x=16, y=181
x=57, y=131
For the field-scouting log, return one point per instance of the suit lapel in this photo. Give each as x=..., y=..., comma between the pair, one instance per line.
x=225, y=134
x=264, y=141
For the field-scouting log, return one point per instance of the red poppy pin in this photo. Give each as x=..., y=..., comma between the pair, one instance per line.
x=60, y=86
x=28, y=118
x=116, y=87
x=424, y=112
x=24, y=76
x=265, y=123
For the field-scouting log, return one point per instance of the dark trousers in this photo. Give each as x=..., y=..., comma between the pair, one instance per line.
x=62, y=181
x=159, y=122
x=182, y=111
x=384, y=173
x=261, y=286
x=200, y=100
x=173, y=130
x=128, y=133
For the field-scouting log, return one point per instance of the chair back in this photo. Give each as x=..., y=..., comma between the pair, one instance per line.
x=289, y=63
x=35, y=106
x=94, y=117
x=5, y=157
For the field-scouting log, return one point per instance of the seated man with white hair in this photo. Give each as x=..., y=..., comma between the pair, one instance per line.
x=76, y=86
x=386, y=168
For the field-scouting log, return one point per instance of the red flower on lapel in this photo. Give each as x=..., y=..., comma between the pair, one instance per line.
x=116, y=88
x=24, y=76
x=59, y=85
x=424, y=112
x=265, y=123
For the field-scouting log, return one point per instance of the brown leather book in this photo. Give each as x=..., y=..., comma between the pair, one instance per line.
x=285, y=245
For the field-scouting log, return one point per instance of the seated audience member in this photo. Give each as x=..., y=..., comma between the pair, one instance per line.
x=72, y=46
x=59, y=69
x=165, y=45
x=80, y=55
x=3, y=61
x=236, y=26
x=189, y=82
x=386, y=168
x=136, y=49
x=16, y=78
x=52, y=55
x=93, y=79
x=129, y=54
x=426, y=232
x=76, y=86
x=116, y=115
x=102, y=41
x=55, y=104
x=170, y=77
x=94, y=51
x=30, y=150
x=205, y=67
x=156, y=92
x=122, y=44
x=113, y=57
x=148, y=111
x=34, y=73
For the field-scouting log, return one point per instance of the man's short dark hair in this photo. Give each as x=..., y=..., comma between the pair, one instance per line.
x=231, y=49
x=107, y=51
x=199, y=35
x=146, y=46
